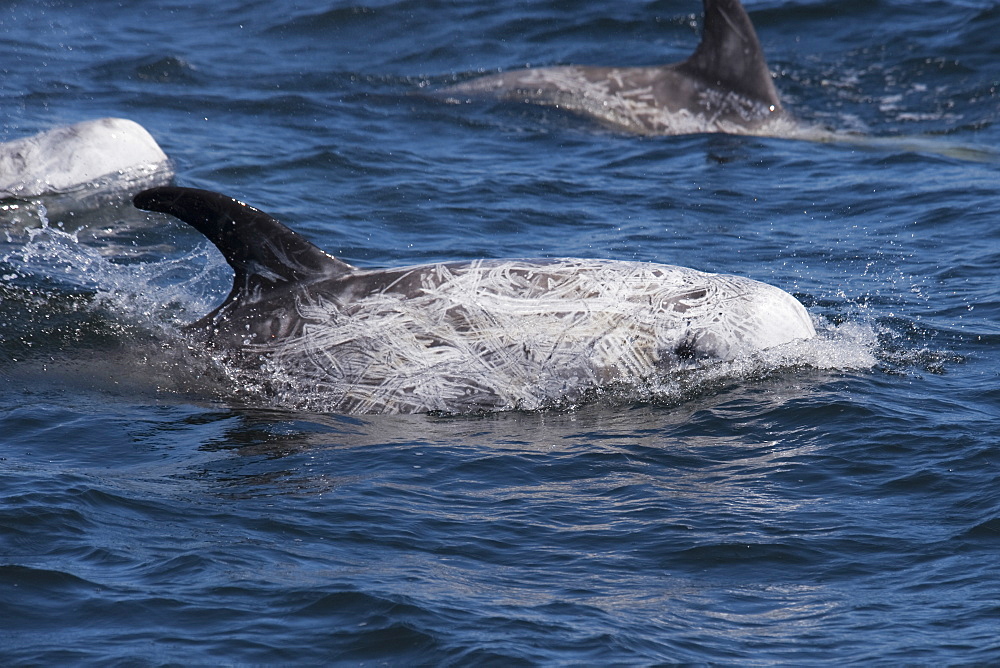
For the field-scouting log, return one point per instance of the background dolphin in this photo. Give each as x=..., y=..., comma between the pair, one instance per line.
x=464, y=336
x=725, y=85
x=70, y=157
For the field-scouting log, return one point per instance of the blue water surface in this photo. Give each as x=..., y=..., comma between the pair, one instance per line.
x=838, y=507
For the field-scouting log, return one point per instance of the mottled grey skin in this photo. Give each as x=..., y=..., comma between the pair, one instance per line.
x=725, y=86
x=463, y=336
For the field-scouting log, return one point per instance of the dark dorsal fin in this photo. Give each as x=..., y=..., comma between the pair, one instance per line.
x=263, y=252
x=729, y=54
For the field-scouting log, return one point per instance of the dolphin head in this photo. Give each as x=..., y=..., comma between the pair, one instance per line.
x=737, y=316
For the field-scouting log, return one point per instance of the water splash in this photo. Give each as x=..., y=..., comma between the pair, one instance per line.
x=73, y=317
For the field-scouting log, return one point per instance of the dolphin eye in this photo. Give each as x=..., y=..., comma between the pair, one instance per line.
x=685, y=350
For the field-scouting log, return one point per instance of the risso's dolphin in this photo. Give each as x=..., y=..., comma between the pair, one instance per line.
x=71, y=157
x=724, y=86
x=464, y=336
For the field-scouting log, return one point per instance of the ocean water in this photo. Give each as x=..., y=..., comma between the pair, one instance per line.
x=836, y=503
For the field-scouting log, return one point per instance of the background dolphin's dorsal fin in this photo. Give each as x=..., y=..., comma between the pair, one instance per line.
x=729, y=54
x=263, y=252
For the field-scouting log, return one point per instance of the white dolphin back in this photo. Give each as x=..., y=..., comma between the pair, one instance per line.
x=69, y=157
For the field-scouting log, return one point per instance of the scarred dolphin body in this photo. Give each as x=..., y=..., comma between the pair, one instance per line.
x=725, y=86
x=465, y=336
